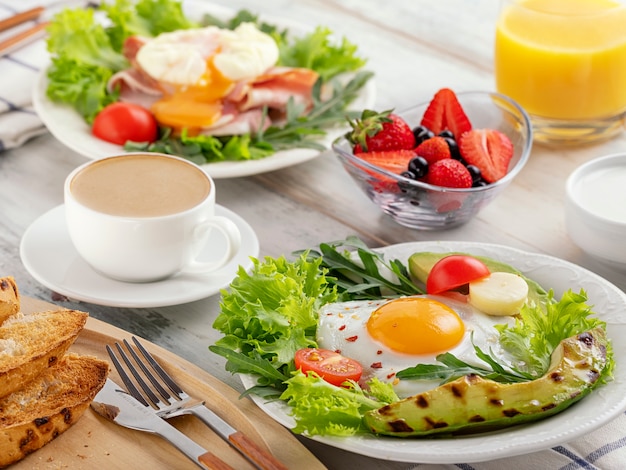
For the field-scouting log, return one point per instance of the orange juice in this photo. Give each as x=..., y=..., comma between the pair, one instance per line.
x=563, y=59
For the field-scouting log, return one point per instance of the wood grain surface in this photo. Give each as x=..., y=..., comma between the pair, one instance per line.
x=94, y=442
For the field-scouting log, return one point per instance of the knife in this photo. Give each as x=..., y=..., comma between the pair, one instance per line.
x=115, y=404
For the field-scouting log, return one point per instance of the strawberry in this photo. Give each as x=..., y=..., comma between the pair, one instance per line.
x=394, y=161
x=489, y=150
x=433, y=149
x=376, y=131
x=445, y=112
x=449, y=173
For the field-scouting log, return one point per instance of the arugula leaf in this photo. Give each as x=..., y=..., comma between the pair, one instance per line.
x=363, y=279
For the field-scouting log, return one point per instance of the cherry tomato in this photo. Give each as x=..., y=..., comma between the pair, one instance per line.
x=454, y=271
x=120, y=122
x=329, y=365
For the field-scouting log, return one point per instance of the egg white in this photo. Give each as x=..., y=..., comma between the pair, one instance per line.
x=342, y=328
x=180, y=57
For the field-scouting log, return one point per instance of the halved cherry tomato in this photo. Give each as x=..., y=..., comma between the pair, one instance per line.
x=329, y=365
x=120, y=122
x=454, y=271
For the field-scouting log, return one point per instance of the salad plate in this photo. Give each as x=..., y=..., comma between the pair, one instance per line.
x=67, y=126
x=595, y=410
x=49, y=256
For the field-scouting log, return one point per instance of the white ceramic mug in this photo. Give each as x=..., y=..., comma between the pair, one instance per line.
x=143, y=217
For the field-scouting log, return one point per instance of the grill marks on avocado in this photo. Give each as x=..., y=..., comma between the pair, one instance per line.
x=472, y=403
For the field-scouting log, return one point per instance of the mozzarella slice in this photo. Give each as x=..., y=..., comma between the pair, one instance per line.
x=498, y=294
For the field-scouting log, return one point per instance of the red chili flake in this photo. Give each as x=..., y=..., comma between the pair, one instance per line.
x=379, y=352
x=391, y=375
x=338, y=351
x=352, y=339
x=377, y=365
x=342, y=327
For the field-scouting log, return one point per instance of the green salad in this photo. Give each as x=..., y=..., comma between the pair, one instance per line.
x=271, y=312
x=86, y=51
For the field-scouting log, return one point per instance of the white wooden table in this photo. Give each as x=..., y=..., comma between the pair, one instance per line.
x=414, y=48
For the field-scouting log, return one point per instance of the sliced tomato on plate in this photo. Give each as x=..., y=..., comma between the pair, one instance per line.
x=454, y=271
x=329, y=365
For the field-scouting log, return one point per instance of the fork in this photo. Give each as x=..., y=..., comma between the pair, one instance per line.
x=178, y=402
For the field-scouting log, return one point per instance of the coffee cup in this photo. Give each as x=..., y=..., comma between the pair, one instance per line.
x=143, y=217
x=564, y=62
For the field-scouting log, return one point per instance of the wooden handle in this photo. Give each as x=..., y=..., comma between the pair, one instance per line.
x=213, y=462
x=20, y=18
x=254, y=453
x=21, y=38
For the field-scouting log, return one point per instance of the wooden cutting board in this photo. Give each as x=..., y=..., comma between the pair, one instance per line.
x=94, y=442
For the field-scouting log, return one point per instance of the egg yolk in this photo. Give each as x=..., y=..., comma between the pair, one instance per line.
x=416, y=326
x=194, y=106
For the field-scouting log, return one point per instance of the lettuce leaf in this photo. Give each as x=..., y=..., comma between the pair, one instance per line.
x=271, y=312
x=537, y=332
x=318, y=51
x=321, y=408
x=144, y=18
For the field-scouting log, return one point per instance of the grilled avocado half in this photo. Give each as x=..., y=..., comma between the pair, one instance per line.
x=474, y=404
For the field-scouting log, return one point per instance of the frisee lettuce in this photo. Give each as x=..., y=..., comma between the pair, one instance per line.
x=322, y=408
x=85, y=54
x=271, y=312
x=536, y=332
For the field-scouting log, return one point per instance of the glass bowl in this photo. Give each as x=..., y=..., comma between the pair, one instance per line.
x=423, y=206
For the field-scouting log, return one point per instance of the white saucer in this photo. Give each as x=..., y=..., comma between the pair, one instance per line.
x=49, y=256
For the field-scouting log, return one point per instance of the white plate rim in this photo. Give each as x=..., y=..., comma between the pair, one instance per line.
x=589, y=414
x=68, y=127
x=61, y=263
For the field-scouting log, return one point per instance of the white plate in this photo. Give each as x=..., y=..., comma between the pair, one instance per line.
x=68, y=126
x=49, y=256
x=593, y=411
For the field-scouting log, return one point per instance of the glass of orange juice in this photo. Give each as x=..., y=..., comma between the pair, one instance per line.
x=564, y=61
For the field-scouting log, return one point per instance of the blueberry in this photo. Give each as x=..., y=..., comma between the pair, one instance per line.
x=418, y=166
x=480, y=183
x=421, y=134
x=446, y=133
x=474, y=172
x=454, y=148
x=408, y=174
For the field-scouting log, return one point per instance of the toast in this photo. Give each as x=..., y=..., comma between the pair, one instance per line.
x=47, y=406
x=30, y=343
x=9, y=298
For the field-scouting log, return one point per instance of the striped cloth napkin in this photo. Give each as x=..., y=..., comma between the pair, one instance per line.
x=18, y=73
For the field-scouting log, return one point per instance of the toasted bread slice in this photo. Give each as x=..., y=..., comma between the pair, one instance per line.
x=30, y=343
x=9, y=298
x=47, y=406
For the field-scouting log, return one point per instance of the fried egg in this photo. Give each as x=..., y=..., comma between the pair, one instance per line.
x=198, y=67
x=386, y=336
